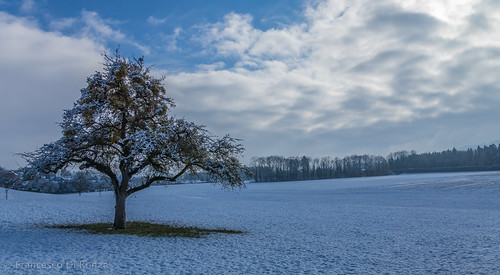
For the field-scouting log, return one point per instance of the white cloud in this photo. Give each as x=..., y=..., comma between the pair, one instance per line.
x=41, y=74
x=171, y=40
x=28, y=6
x=351, y=65
x=233, y=37
x=211, y=67
x=90, y=25
x=156, y=21
x=98, y=28
x=63, y=23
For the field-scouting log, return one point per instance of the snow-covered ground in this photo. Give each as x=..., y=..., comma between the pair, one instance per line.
x=424, y=223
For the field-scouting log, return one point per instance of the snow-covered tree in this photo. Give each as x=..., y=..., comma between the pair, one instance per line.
x=122, y=127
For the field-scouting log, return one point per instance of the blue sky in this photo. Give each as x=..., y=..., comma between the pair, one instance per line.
x=311, y=77
x=151, y=28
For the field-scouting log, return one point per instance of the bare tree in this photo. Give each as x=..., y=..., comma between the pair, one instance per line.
x=80, y=182
x=7, y=180
x=101, y=185
x=121, y=126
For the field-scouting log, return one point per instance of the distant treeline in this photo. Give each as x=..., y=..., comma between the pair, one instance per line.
x=481, y=158
x=278, y=168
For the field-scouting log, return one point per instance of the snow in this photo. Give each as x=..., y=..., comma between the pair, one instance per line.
x=416, y=223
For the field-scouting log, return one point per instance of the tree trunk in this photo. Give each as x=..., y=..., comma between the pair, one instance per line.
x=120, y=218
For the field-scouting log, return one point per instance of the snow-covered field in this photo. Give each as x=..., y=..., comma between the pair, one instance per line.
x=425, y=223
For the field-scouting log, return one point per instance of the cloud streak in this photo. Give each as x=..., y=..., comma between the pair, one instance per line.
x=156, y=21
x=90, y=25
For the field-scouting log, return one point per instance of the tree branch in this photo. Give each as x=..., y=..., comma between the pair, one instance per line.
x=139, y=167
x=103, y=169
x=180, y=173
x=150, y=181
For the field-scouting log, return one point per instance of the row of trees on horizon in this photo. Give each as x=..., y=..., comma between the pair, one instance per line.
x=279, y=168
x=66, y=181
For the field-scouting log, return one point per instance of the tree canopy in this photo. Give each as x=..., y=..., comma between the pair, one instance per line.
x=122, y=126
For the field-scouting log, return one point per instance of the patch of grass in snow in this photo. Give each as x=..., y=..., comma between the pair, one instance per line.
x=147, y=229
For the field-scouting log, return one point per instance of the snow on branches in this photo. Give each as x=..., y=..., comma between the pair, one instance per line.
x=121, y=126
